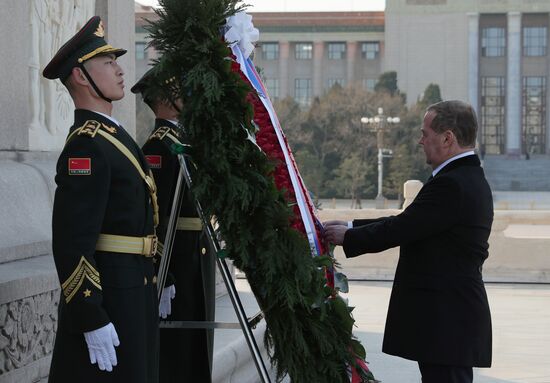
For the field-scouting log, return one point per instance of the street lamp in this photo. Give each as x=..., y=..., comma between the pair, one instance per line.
x=379, y=124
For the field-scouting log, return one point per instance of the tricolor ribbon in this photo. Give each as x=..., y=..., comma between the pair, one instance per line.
x=302, y=196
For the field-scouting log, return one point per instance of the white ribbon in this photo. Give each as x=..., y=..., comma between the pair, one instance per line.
x=241, y=31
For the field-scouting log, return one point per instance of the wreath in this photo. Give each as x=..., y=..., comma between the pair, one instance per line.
x=246, y=177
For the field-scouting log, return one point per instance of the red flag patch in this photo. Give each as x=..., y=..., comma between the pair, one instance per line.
x=80, y=166
x=155, y=161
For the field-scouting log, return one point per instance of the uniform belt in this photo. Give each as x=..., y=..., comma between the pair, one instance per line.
x=146, y=246
x=189, y=224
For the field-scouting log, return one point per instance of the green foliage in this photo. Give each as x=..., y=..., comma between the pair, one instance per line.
x=432, y=94
x=387, y=82
x=307, y=329
x=337, y=154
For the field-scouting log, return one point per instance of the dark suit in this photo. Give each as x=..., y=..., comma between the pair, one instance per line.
x=185, y=354
x=438, y=312
x=100, y=191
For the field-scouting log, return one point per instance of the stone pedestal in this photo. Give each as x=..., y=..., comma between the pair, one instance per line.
x=410, y=191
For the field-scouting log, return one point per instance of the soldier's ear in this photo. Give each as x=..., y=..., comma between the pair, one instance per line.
x=78, y=77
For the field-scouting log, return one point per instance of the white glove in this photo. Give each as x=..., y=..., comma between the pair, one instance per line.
x=101, y=346
x=165, y=304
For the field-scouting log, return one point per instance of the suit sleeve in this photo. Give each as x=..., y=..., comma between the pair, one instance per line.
x=83, y=182
x=435, y=209
x=165, y=179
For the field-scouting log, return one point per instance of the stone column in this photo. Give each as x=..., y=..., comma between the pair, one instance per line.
x=473, y=59
x=119, y=19
x=351, y=55
x=513, y=85
x=318, y=51
x=284, y=48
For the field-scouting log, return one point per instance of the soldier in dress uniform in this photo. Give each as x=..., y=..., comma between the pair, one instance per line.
x=185, y=354
x=103, y=227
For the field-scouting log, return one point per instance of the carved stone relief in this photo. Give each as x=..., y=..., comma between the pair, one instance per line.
x=52, y=23
x=27, y=330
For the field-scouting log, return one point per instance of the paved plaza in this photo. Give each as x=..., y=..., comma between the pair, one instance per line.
x=521, y=332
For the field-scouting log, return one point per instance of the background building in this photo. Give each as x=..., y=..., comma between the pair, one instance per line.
x=304, y=54
x=492, y=53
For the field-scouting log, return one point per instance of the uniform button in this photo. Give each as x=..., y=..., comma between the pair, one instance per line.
x=155, y=280
x=144, y=280
x=203, y=251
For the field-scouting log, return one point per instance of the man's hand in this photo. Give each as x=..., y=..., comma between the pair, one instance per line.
x=101, y=346
x=165, y=304
x=334, y=233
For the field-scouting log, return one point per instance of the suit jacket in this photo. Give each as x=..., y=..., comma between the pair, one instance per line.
x=438, y=310
x=185, y=355
x=100, y=191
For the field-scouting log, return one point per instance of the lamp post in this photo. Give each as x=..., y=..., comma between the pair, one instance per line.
x=379, y=124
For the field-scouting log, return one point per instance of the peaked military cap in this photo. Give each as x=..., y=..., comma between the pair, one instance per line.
x=155, y=85
x=88, y=42
x=144, y=83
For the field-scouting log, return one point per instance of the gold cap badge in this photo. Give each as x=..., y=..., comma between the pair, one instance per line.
x=100, y=32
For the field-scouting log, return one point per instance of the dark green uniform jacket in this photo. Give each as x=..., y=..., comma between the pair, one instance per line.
x=100, y=191
x=185, y=355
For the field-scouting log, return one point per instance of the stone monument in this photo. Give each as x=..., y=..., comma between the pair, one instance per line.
x=36, y=116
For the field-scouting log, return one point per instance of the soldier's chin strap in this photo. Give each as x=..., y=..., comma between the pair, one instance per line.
x=175, y=106
x=91, y=81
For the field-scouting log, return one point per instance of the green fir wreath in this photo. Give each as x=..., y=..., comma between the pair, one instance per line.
x=308, y=326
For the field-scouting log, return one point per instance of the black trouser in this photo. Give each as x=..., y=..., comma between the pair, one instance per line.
x=435, y=373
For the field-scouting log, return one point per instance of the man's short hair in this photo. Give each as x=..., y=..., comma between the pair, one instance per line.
x=458, y=117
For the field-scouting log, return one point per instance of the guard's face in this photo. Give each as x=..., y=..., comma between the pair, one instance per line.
x=432, y=142
x=107, y=75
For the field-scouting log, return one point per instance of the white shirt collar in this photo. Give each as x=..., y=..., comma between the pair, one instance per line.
x=174, y=122
x=108, y=117
x=468, y=153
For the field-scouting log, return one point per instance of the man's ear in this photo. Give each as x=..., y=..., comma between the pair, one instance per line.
x=448, y=138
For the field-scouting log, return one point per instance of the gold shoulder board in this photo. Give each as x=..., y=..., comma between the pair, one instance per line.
x=89, y=128
x=160, y=133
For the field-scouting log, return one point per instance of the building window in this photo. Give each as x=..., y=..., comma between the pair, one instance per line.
x=370, y=50
x=302, y=91
x=493, y=103
x=333, y=81
x=493, y=42
x=534, y=115
x=304, y=51
x=272, y=85
x=336, y=51
x=534, y=41
x=141, y=51
x=369, y=84
x=270, y=51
